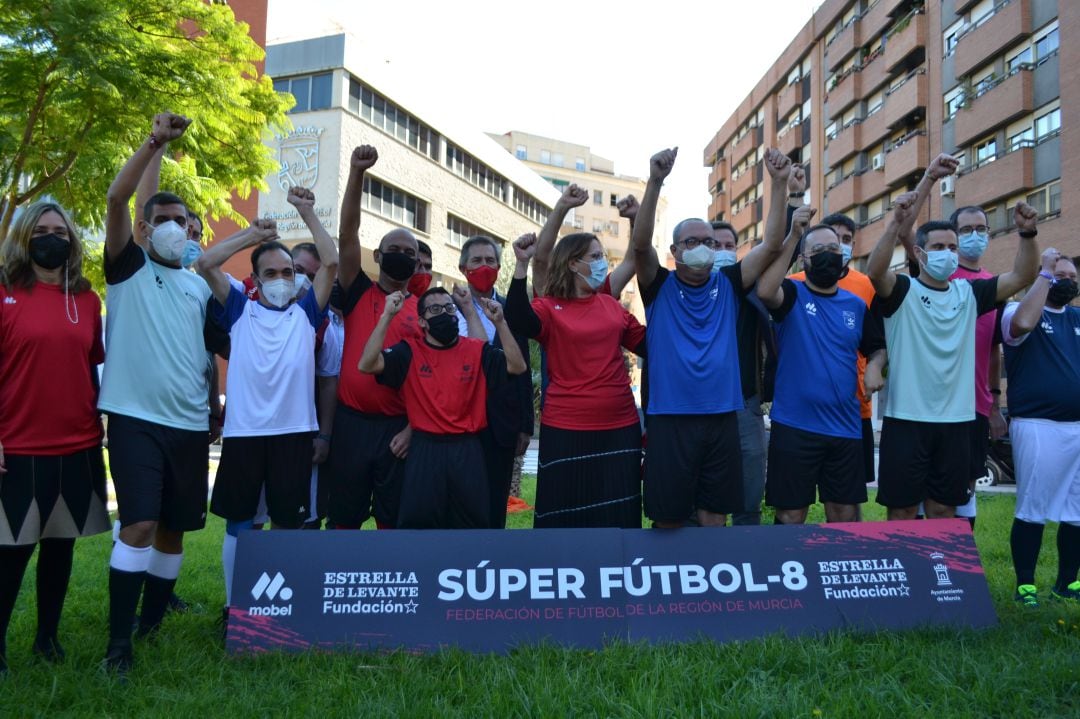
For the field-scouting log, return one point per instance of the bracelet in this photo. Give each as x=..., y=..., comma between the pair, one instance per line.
x=995, y=392
x=154, y=142
x=796, y=195
x=323, y=437
x=1046, y=275
x=1028, y=234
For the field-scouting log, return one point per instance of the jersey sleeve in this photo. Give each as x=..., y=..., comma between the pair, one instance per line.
x=328, y=360
x=734, y=276
x=873, y=333
x=633, y=335
x=127, y=263
x=521, y=315
x=310, y=305
x=888, y=306
x=396, y=361
x=226, y=315
x=493, y=363
x=649, y=294
x=790, y=295
x=355, y=291
x=1006, y=326
x=985, y=294
x=97, y=349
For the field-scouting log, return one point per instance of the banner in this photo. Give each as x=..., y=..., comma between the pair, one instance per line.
x=490, y=590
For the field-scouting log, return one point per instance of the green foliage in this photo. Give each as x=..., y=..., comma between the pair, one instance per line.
x=82, y=80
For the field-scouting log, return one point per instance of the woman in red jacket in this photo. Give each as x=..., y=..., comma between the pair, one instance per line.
x=52, y=477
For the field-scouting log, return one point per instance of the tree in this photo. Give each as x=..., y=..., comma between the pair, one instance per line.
x=82, y=80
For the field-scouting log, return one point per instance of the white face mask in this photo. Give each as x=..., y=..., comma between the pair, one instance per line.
x=303, y=284
x=699, y=258
x=169, y=240
x=278, y=292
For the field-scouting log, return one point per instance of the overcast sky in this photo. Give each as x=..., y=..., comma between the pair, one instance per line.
x=627, y=79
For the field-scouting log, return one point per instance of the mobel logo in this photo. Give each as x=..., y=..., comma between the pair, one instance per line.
x=270, y=589
x=298, y=153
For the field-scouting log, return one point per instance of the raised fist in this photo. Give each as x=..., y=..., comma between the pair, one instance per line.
x=463, y=298
x=1025, y=216
x=1050, y=258
x=525, y=247
x=800, y=219
x=168, y=126
x=394, y=302
x=492, y=309
x=363, y=157
x=628, y=207
x=264, y=230
x=904, y=205
x=301, y=198
x=661, y=163
x=574, y=196
x=942, y=166
x=778, y=164
x=796, y=181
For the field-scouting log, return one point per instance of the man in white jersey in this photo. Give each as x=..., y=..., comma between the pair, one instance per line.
x=930, y=331
x=271, y=421
x=154, y=390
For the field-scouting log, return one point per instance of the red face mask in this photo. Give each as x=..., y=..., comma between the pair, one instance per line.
x=419, y=283
x=482, y=278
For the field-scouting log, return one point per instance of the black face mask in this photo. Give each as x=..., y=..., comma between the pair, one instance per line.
x=825, y=269
x=1062, y=292
x=397, y=265
x=444, y=328
x=49, y=251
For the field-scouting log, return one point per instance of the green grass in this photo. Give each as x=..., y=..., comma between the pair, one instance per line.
x=1028, y=666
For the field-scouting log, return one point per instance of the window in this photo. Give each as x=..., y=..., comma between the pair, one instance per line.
x=559, y=185
x=597, y=226
x=557, y=159
x=529, y=206
x=614, y=200
x=458, y=230
x=598, y=197
x=545, y=157
x=312, y=92
x=1024, y=138
x=1055, y=197
x=1037, y=200
x=1048, y=125
x=985, y=85
x=1021, y=58
x=475, y=172
x=831, y=131
x=793, y=76
x=522, y=153
x=986, y=152
x=395, y=204
x=954, y=104
x=579, y=164
x=1046, y=44
x=391, y=119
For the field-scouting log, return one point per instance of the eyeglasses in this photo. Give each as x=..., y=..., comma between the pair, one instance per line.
x=593, y=257
x=691, y=242
x=967, y=230
x=435, y=310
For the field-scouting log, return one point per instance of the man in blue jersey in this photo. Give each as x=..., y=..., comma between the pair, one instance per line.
x=694, y=461
x=1042, y=359
x=816, y=439
x=925, y=452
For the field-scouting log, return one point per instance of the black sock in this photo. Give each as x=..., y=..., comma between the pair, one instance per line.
x=156, y=595
x=971, y=521
x=1068, y=546
x=13, y=561
x=53, y=573
x=124, y=591
x=1026, y=540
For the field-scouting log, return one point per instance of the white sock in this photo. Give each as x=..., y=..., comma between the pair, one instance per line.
x=165, y=566
x=228, y=563
x=129, y=559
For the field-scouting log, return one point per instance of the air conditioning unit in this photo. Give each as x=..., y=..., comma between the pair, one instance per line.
x=878, y=161
x=947, y=186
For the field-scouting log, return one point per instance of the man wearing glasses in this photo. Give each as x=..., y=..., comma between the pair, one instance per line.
x=694, y=461
x=444, y=380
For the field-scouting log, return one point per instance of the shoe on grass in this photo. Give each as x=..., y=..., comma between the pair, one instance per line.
x=1070, y=593
x=1028, y=595
x=119, y=658
x=49, y=649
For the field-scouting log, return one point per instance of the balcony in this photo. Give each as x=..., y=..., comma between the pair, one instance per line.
x=878, y=17
x=844, y=196
x=1005, y=101
x=790, y=140
x=718, y=173
x=743, y=182
x=984, y=41
x=841, y=47
x=907, y=39
x=744, y=218
x=872, y=185
x=843, y=95
x=907, y=101
x=1010, y=174
x=962, y=6
x=907, y=159
x=867, y=236
x=742, y=147
x=790, y=98
x=718, y=207
x=874, y=129
x=845, y=144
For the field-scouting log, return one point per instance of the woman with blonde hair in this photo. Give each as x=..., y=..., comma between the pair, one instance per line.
x=52, y=477
x=589, y=473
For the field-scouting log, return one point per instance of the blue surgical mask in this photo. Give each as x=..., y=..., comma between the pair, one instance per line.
x=972, y=246
x=192, y=252
x=941, y=264
x=845, y=250
x=598, y=271
x=723, y=258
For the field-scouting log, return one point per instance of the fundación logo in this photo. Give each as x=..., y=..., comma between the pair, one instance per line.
x=271, y=589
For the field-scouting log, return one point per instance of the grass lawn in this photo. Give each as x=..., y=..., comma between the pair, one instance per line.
x=1029, y=666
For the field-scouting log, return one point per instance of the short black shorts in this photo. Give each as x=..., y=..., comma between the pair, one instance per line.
x=924, y=460
x=805, y=465
x=980, y=446
x=281, y=463
x=361, y=476
x=692, y=462
x=160, y=473
x=445, y=483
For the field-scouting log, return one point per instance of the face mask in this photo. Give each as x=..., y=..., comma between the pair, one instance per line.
x=698, y=258
x=825, y=269
x=168, y=241
x=973, y=246
x=303, y=284
x=941, y=264
x=419, y=283
x=597, y=273
x=723, y=258
x=278, y=292
x=443, y=328
x=482, y=278
x=192, y=252
x=845, y=253
x=397, y=265
x=49, y=251
x=1061, y=293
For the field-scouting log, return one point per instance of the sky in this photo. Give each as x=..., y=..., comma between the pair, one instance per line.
x=627, y=79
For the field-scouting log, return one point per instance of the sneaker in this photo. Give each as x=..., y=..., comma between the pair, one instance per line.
x=49, y=649
x=1027, y=595
x=177, y=605
x=1070, y=593
x=118, y=658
